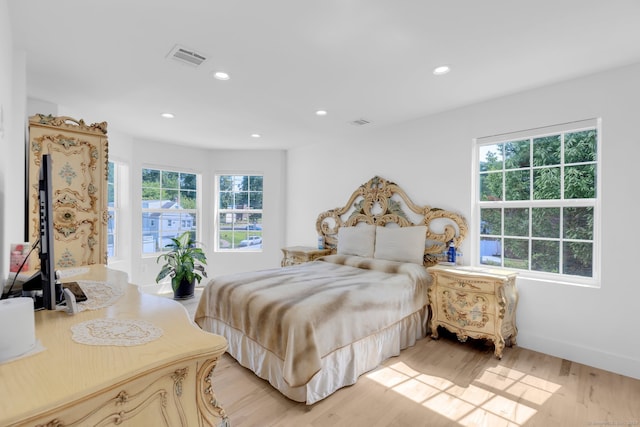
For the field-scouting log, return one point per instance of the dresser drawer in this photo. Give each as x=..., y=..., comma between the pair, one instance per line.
x=467, y=283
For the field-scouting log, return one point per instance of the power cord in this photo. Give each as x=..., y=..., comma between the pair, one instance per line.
x=5, y=295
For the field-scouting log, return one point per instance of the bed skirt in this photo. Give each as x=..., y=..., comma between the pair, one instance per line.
x=340, y=368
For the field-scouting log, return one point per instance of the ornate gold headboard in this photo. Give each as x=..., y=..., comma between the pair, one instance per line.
x=381, y=202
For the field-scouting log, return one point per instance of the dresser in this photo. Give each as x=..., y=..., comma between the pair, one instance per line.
x=164, y=382
x=293, y=255
x=474, y=302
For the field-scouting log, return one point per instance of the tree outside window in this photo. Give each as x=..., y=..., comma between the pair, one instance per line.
x=169, y=207
x=537, y=202
x=239, y=207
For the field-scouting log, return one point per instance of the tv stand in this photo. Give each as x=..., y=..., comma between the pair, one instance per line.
x=165, y=382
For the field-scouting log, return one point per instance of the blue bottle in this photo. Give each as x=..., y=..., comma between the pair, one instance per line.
x=451, y=253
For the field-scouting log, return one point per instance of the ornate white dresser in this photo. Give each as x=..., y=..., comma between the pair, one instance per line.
x=139, y=361
x=293, y=255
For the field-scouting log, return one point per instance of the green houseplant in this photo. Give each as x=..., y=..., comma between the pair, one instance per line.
x=184, y=263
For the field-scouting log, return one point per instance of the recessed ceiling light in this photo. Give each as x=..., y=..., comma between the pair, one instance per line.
x=167, y=115
x=443, y=69
x=221, y=75
x=321, y=113
x=255, y=135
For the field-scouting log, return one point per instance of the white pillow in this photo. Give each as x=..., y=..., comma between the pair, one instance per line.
x=404, y=244
x=358, y=240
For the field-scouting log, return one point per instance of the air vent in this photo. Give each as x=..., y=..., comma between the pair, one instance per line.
x=360, y=122
x=187, y=56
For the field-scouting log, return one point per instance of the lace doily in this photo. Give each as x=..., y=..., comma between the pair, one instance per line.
x=118, y=332
x=70, y=272
x=99, y=294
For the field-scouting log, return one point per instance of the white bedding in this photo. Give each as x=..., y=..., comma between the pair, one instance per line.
x=313, y=328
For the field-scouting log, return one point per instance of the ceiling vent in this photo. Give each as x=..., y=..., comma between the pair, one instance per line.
x=360, y=122
x=187, y=56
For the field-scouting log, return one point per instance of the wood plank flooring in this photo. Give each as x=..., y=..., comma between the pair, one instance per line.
x=444, y=383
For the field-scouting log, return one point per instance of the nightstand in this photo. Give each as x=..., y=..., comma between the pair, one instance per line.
x=474, y=302
x=298, y=254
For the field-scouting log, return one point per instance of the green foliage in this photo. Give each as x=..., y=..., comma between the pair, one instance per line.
x=580, y=181
x=516, y=222
x=516, y=253
x=545, y=255
x=167, y=185
x=184, y=261
x=491, y=221
x=516, y=154
x=545, y=222
x=232, y=238
x=578, y=258
x=517, y=185
x=578, y=223
x=546, y=184
x=546, y=151
x=240, y=191
x=188, y=199
x=151, y=178
x=580, y=147
x=493, y=158
x=549, y=168
x=150, y=193
x=491, y=186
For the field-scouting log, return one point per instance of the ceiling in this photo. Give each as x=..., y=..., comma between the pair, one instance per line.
x=357, y=59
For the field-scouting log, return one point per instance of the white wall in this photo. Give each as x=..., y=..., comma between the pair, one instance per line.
x=12, y=145
x=6, y=63
x=431, y=159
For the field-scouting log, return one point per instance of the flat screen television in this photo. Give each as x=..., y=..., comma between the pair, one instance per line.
x=45, y=279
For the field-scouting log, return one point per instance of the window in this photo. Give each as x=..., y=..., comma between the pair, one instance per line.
x=112, y=208
x=169, y=207
x=239, y=224
x=537, y=201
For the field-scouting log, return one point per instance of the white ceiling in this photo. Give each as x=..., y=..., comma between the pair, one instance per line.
x=370, y=59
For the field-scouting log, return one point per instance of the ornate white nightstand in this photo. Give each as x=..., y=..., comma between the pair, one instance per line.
x=298, y=254
x=474, y=302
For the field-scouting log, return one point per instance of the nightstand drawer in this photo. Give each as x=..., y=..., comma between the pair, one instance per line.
x=467, y=283
x=471, y=311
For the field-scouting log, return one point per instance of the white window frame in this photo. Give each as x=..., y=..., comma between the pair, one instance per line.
x=114, y=211
x=218, y=211
x=576, y=126
x=197, y=211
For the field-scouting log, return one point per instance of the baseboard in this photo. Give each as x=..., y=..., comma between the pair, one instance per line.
x=612, y=362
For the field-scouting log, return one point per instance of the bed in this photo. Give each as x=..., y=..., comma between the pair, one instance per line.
x=312, y=328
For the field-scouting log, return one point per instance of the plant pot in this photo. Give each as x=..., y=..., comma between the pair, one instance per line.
x=185, y=290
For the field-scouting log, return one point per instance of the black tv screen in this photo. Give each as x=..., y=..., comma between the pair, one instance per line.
x=50, y=295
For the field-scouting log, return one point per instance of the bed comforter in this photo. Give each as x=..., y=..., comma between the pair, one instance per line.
x=304, y=312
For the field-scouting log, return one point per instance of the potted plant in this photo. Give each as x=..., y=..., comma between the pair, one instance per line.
x=184, y=263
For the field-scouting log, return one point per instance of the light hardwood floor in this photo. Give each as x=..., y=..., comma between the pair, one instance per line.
x=443, y=383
